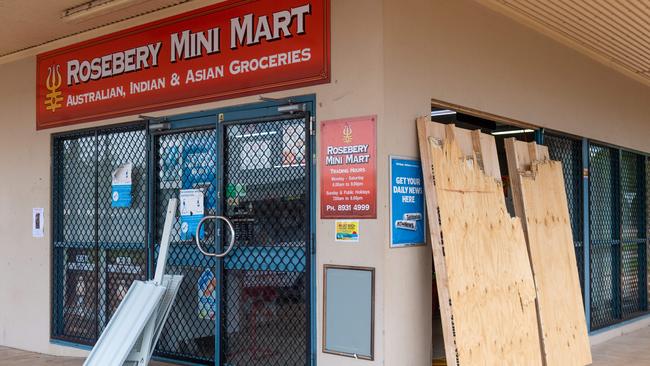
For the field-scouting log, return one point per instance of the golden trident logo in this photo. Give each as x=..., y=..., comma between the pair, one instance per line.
x=53, y=82
x=347, y=134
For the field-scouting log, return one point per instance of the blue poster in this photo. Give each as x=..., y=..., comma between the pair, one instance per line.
x=407, y=203
x=192, y=211
x=121, y=186
x=199, y=170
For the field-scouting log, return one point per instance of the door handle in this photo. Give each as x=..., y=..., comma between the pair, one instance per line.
x=232, y=236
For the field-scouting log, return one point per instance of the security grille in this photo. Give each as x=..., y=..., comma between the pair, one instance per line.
x=187, y=160
x=633, y=234
x=98, y=250
x=618, y=235
x=647, y=215
x=569, y=151
x=263, y=283
x=255, y=172
x=265, y=320
x=604, y=215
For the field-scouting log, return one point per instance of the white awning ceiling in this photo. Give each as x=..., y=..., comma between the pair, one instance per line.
x=30, y=23
x=615, y=32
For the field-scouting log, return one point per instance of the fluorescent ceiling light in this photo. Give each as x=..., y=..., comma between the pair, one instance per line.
x=512, y=132
x=442, y=112
x=94, y=8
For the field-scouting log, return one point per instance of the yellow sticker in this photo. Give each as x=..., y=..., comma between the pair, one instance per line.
x=347, y=230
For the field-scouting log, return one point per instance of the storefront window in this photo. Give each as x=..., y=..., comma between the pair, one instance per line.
x=633, y=234
x=618, y=268
x=99, y=226
x=108, y=214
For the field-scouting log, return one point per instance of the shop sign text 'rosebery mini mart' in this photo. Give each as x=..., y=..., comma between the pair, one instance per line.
x=222, y=52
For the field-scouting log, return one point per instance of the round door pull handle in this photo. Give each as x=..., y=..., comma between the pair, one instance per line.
x=230, y=244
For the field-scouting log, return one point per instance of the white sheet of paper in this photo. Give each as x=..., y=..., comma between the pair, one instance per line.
x=191, y=202
x=37, y=222
x=122, y=175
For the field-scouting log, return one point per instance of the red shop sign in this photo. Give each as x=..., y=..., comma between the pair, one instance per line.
x=226, y=50
x=348, y=167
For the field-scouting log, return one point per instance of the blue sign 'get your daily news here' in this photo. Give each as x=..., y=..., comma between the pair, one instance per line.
x=407, y=202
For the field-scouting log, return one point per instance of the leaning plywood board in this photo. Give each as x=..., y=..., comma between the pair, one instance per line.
x=541, y=203
x=485, y=284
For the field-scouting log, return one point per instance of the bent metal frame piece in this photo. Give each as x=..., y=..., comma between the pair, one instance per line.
x=540, y=202
x=484, y=279
x=132, y=333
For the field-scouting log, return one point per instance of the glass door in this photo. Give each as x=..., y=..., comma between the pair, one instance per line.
x=251, y=307
x=184, y=160
x=265, y=280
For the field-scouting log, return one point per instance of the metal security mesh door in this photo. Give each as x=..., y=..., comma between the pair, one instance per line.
x=75, y=247
x=569, y=151
x=98, y=249
x=187, y=160
x=266, y=278
x=633, y=235
x=255, y=172
x=618, y=229
x=604, y=217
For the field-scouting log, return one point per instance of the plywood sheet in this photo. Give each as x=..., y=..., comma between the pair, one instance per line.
x=540, y=201
x=483, y=275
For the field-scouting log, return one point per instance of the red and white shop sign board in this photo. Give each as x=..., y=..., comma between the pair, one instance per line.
x=348, y=166
x=225, y=50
